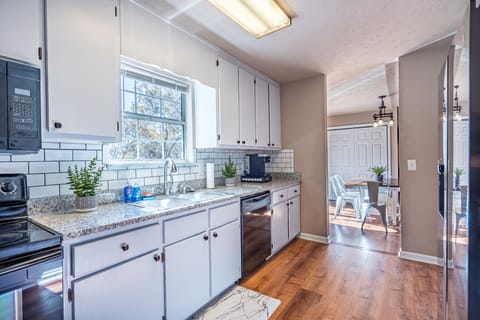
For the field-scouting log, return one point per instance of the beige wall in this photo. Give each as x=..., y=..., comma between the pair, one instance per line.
x=421, y=87
x=304, y=127
x=366, y=118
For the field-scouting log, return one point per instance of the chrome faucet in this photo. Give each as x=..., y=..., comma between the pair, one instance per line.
x=168, y=169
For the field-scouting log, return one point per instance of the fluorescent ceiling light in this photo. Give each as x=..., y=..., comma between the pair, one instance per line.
x=259, y=17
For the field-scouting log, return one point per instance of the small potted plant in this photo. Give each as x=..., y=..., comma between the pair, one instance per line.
x=458, y=174
x=229, y=171
x=378, y=171
x=85, y=182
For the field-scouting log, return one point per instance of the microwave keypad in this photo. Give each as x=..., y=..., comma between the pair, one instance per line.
x=22, y=111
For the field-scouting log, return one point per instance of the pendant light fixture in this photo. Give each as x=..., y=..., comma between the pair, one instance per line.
x=382, y=117
x=457, y=109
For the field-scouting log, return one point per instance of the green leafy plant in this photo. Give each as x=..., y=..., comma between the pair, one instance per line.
x=85, y=181
x=230, y=169
x=458, y=172
x=378, y=170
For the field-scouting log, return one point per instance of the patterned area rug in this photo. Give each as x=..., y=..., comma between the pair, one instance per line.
x=239, y=303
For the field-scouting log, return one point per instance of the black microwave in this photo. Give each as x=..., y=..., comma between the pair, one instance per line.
x=20, y=123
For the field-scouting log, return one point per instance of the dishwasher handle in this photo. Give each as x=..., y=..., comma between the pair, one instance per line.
x=256, y=202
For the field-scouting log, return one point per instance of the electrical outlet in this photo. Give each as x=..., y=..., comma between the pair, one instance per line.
x=412, y=165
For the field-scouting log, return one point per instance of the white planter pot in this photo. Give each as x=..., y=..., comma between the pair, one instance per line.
x=230, y=182
x=85, y=204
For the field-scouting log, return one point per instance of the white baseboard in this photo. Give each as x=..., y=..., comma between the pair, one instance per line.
x=424, y=258
x=313, y=237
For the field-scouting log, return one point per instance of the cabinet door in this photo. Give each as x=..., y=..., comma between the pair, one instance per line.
x=227, y=77
x=275, y=117
x=225, y=256
x=187, y=279
x=293, y=217
x=279, y=226
x=262, y=121
x=83, y=68
x=132, y=290
x=246, y=97
x=21, y=29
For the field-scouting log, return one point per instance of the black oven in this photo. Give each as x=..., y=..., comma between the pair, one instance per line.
x=31, y=258
x=20, y=125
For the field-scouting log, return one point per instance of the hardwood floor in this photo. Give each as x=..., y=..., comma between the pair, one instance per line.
x=317, y=281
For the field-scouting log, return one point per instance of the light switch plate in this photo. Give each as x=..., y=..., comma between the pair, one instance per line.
x=412, y=165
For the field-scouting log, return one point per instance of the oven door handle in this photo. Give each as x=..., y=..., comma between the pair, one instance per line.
x=31, y=262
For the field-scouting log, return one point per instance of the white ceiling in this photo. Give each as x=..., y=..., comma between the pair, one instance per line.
x=353, y=42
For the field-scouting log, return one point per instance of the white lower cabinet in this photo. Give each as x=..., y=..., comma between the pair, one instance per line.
x=131, y=290
x=225, y=257
x=293, y=217
x=187, y=280
x=279, y=226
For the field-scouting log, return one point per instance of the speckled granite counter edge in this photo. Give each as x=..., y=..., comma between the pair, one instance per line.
x=114, y=215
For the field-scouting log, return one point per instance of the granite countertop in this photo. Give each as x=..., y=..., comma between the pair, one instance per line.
x=72, y=224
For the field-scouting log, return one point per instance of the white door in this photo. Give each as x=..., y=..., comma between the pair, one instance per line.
x=21, y=29
x=262, y=129
x=246, y=98
x=279, y=226
x=225, y=256
x=293, y=217
x=187, y=279
x=370, y=149
x=275, y=117
x=132, y=290
x=227, y=77
x=341, y=153
x=83, y=68
x=460, y=148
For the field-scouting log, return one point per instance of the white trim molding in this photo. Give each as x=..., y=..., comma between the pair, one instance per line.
x=423, y=258
x=314, y=237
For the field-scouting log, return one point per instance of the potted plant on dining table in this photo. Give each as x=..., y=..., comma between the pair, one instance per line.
x=378, y=171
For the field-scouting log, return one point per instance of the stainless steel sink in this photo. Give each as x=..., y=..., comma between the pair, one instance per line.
x=201, y=195
x=167, y=203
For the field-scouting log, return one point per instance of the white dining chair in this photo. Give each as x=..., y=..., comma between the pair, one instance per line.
x=343, y=196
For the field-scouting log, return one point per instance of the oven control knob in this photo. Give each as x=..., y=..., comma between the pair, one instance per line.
x=8, y=187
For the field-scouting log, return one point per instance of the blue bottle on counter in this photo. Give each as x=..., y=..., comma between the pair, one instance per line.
x=136, y=193
x=128, y=193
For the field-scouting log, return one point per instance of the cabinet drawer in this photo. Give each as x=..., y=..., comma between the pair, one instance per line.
x=98, y=254
x=279, y=196
x=224, y=214
x=186, y=226
x=293, y=191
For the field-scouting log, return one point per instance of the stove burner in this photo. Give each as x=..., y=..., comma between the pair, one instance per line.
x=9, y=238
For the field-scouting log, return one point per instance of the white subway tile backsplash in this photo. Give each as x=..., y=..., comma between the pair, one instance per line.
x=50, y=145
x=73, y=146
x=152, y=181
x=45, y=191
x=4, y=157
x=14, y=167
x=64, y=165
x=126, y=174
x=34, y=180
x=86, y=155
x=65, y=189
x=55, y=178
x=94, y=147
x=109, y=175
x=39, y=156
x=141, y=173
x=117, y=184
x=44, y=167
x=57, y=155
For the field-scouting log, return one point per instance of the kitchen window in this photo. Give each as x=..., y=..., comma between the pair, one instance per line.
x=154, y=105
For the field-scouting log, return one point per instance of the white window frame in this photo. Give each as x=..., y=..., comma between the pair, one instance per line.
x=151, y=70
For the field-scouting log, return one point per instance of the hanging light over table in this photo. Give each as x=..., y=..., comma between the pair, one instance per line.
x=382, y=117
x=457, y=109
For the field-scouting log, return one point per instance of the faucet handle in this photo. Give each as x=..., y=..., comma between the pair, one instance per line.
x=186, y=187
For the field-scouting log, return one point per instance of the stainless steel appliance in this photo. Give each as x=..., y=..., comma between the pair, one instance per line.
x=20, y=129
x=257, y=168
x=256, y=231
x=31, y=258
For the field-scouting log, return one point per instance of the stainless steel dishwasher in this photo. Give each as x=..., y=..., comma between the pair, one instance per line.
x=256, y=235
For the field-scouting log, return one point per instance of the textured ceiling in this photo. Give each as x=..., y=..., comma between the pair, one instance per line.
x=346, y=39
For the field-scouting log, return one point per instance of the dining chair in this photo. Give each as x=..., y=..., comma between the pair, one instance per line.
x=343, y=196
x=374, y=203
x=462, y=212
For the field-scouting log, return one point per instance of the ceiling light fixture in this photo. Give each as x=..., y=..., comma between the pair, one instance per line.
x=381, y=117
x=457, y=109
x=259, y=17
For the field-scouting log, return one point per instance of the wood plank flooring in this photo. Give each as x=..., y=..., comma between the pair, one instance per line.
x=317, y=281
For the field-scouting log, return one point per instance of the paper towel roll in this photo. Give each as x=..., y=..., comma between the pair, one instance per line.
x=210, y=175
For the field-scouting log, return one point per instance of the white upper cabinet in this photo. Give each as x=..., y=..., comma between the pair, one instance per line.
x=229, y=127
x=83, y=69
x=21, y=30
x=262, y=121
x=246, y=90
x=275, y=117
